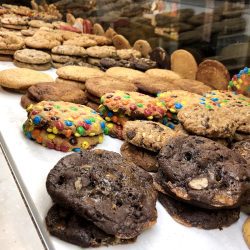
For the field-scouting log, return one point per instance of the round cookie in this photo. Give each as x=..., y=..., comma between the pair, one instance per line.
x=128, y=53
x=161, y=57
x=110, y=33
x=140, y=157
x=192, y=86
x=57, y=65
x=58, y=142
x=92, y=98
x=76, y=84
x=56, y=92
x=147, y=134
x=39, y=67
x=66, y=118
x=40, y=42
x=101, y=51
x=214, y=74
x=94, y=61
x=26, y=101
x=132, y=104
x=184, y=64
x=191, y=216
x=202, y=172
x=120, y=42
x=124, y=190
x=21, y=78
x=240, y=83
x=98, y=29
x=168, y=75
x=243, y=148
x=246, y=231
x=39, y=24
x=92, y=105
x=32, y=56
x=6, y=58
x=124, y=73
x=144, y=47
x=114, y=130
x=98, y=86
x=78, y=73
x=81, y=41
x=69, y=50
x=212, y=123
x=10, y=41
x=7, y=52
x=67, y=226
x=65, y=59
x=28, y=32
x=142, y=64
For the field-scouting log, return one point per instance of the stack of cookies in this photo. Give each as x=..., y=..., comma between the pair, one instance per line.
x=143, y=141
x=67, y=54
x=201, y=183
x=77, y=75
x=64, y=126
x=96, y=87
x=32, y=59
x=101, y=199
x=120, y=106
x=14, y=22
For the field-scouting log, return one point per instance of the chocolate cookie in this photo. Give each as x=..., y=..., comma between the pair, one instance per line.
x=139, y=156
x=114, y=130
x=202, y=172
x=161, y=57
x=192, y=216
x=116, y=195
x=243, y=148
x=214, y=74
x=142, y=64
x=147, y=134
x=67, y=226
x=98, y=86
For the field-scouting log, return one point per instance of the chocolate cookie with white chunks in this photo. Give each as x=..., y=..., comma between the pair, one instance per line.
x=191, y=216
x=202, y=172
x=116, y=195
x=65, y=225
x=139, y=156
x=147, y=134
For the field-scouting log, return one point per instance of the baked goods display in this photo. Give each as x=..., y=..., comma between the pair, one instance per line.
x=184, y=124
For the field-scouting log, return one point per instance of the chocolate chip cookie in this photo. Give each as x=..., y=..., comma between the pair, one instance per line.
x=202, y=172
x=116, y=195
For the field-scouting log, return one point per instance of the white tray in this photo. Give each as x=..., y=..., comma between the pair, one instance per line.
x=31, y=163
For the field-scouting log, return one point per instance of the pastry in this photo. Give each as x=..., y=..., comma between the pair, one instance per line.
x=140, y=157
x=191, y=216
x=116, y=195
x=124, y=73
x=214, y=74
x=69, y=50
x=202, y=172
x=22, y=79
x=243, y=148
x=39, y=67
x=168, y=75
x=67, y=226
x=183, y=63
x=98, y=86
x=101, y=51
x=66, y=118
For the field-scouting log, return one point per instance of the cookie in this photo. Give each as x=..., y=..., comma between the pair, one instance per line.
x=114, y=130
x=21, y=79
x=26, y=101
x=92, y=98
x=14, y=27
x=116, y=195
x=92, y=105
x=214, y=74
x=77, y=84
x=124, y=73
x=82, y=41
x=183, y=63
x=101, y=51
x=7, y=52
x=128, y=53
x=246, y=231
x=39, y=24
x=107, y=63
x=39, y=67
x=240, y=83
x=78, y=73
x=59, y=142
x=140, y=157
x=69, y=50
x=66, y=118
x=144, y=47
x=65, y=59
x=67, y=226
x=28, y=32
x=241, y=137
x=98, y=86
x=32, y=56
x=94, y=61
x=6, y=58
x=243, y=148
x=161, y=57
x=192, y=86
x=10, y=41
x=147, y=134
x=142, y=64
x=153, y=85
x=40, y=42
x=202, y=172
x=130, y=104
x=168, y=75
x=100, y=40
x=110, y=33
x=120, y=42
x=57, y=65
x=191, y=216
x=98, y=29
x=213, y=123
x=56, y=92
